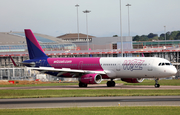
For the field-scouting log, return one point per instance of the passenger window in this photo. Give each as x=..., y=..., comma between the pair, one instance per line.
x=159, y=64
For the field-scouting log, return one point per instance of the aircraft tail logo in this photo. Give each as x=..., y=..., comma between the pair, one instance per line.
x=34, y=49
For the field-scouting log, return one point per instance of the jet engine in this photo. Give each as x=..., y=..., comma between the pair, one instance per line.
x=91, y=79
x=133, y=80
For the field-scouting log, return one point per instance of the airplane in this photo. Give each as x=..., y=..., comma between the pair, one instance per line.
x=92, y=70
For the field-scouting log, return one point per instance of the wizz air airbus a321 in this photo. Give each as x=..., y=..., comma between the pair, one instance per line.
x=93, y=70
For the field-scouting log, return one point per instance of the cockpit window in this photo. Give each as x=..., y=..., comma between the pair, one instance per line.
x=167, y=63
x=163, y=64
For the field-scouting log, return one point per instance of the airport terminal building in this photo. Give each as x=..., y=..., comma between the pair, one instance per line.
x=16, y=42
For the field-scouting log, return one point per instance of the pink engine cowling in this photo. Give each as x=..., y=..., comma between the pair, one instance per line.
x=91, y=79
x=132, y=80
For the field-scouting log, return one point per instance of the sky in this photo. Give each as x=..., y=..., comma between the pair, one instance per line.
x=58, y=17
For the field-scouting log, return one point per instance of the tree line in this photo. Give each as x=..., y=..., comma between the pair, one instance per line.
x=174, y=35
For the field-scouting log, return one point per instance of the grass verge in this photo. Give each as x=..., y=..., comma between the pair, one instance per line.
x=150, y=110
x=84, y=93
x=39, y=85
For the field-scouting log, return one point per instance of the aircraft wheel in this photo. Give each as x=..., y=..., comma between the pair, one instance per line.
x=157, y=85
x=111, y=84
x=108, y=84
x=82, y=84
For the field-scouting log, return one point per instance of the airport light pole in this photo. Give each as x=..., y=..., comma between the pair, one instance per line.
x=121, y=30
x=165, y=34
x=87, y=11
x=77, y=21
x=128, y=19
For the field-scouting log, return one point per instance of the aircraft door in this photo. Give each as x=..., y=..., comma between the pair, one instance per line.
x=42, y=63
x=80, y=66
x=37, y=64
x=150, y=67
x=118, y=66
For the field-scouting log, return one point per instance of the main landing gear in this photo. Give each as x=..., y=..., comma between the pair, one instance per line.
x=157, y=85
x=82, y=84
x=111, y=83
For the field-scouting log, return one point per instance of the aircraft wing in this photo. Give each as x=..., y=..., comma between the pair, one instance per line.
x=65, y=70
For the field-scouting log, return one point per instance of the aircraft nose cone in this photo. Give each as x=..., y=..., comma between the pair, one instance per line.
x=174, y=71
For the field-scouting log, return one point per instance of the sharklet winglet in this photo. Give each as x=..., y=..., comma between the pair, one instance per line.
x=13, y=61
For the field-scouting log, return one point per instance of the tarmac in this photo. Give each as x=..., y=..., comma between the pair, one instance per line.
x=66, y=102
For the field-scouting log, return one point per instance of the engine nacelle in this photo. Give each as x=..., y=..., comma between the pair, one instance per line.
x=133, y=80
x=91, y=79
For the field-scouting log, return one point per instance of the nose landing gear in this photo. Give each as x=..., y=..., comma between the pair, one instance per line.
x=157, y=85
